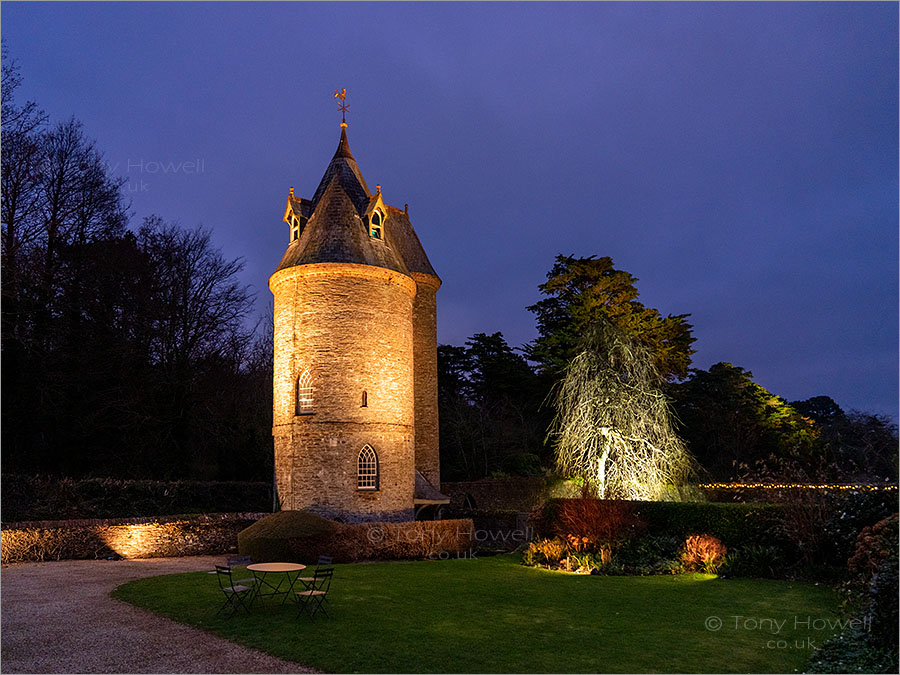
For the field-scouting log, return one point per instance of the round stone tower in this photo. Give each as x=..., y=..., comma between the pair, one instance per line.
x=355, y=381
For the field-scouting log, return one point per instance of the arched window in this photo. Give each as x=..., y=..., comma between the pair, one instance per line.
x=365, y=400
x=304, y=393
x=367, y=469
x=376, y=222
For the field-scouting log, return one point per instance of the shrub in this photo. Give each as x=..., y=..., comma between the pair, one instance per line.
x=872, y=596
x=603, y=562
x=734, y=523
x=874, y=545
x=851, y=652
x=849, y=513
x=875, y=561
x=652, y=554
x=545, y=552
x=277, y=536
x=605, y=520
x=755, y=560
x=703, y=552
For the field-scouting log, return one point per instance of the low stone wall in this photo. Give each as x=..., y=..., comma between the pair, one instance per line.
x=169, y=536
x=507, y=494
x=497, y=530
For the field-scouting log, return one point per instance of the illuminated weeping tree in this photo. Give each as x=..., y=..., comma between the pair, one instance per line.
x=613, y=425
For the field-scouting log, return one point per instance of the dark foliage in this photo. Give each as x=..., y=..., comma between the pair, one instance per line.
x=868, y=644
x=854, y=446
x=755, y=560
x=727, y=419
x=738, y=430
x=875, y=566
x=851, y=652
x=27, y=498
x=581, y=290
x=606, y=520
x=735, y=524
x=128, y=352
x=491, y=418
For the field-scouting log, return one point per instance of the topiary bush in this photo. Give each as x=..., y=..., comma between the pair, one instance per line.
x=286, y=536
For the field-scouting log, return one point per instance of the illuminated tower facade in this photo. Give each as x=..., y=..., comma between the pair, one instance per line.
x=355, y=421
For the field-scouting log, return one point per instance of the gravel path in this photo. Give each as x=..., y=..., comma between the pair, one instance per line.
x=58, y=617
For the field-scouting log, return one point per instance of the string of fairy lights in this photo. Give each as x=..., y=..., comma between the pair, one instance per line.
x=794, y=486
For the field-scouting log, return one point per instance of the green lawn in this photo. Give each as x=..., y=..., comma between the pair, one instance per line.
x=495, y=615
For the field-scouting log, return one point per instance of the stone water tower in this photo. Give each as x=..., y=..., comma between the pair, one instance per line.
x=355, y=371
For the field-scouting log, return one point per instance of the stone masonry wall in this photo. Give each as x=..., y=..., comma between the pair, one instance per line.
x=428, y=459
x=507, y=494
x=351, y=326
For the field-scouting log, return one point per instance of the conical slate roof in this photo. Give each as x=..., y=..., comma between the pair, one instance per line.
x=336, y=229
x=425, y=493
x=344, y=168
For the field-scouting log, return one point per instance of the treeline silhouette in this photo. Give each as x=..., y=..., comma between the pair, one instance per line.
x=125, y=353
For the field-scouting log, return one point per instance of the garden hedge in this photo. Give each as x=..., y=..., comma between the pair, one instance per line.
x=734, y=524
x=299, y=536
x=205, y=534
x=47, y=498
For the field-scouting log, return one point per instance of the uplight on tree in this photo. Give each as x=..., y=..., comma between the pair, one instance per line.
x=613, y=425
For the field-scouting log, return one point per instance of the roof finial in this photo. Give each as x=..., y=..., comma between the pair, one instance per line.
x=343, y=107
x=292, y=191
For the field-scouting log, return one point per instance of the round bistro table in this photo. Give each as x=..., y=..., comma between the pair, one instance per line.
x=283, y=572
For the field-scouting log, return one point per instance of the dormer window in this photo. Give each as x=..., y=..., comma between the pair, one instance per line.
x=295, y=228
x=376, y=225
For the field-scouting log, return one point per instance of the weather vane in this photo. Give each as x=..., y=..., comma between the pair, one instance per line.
x=343, y=107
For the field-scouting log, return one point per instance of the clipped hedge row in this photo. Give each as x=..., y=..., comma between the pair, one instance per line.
x=298, y=536
x=123, y=537
x=45, y=498
x=735, y=524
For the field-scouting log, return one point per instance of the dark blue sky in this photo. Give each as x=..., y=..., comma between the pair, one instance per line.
x=740, y=159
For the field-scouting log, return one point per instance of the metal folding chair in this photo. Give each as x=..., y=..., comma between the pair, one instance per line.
x=312, y=600
x=235, y=594
x=241, y=561
x=324, y=561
